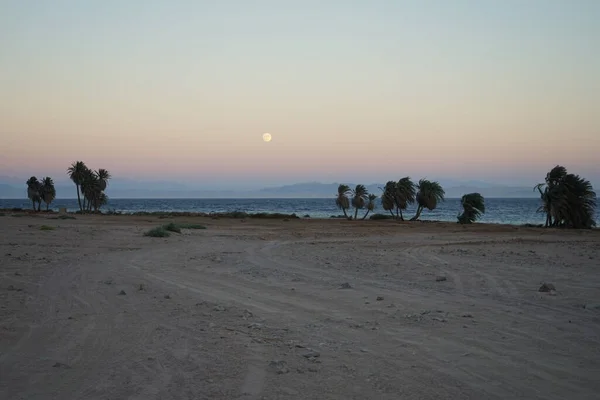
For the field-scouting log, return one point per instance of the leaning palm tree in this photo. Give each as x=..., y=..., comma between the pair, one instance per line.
x=342, y=201
x=405, y=195
x=47, y=191
x=568, y=200
x=103, y=177
x=76, y=172
x=388, y=198
x=360, y=196
x=370, y=204
x=33, y=192
x=473, y=207
x=429, y=195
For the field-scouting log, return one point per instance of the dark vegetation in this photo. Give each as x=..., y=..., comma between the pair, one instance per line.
x=395, y=197
x=64, y=217
x=164, y=230
x=473, y=207
x=568, y=200
x=90, y=185
x=40, y=190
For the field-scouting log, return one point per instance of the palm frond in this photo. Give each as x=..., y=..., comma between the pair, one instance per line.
x=429, y=194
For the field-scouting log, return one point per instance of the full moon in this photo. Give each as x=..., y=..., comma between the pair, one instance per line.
x=267, y=137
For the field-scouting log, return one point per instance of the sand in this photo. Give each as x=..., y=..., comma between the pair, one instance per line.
x=296, y=309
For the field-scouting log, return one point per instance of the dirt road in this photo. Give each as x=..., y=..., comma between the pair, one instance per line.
x=296, y=310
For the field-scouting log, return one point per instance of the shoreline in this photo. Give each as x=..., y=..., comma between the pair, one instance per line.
x=275, y=217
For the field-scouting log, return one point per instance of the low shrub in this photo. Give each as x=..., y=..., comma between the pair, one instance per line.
x=191, y=226
x=64, y=217
x=159, y=231
x=46, y=228
x=172, y=228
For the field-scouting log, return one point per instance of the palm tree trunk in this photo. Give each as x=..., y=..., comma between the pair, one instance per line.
x=392, y=213
x=418, y=214
x=33, y=202
x=355, y=213
x=345, y=214
x=367, y=213
x=47, y=206
x=401, y=216
x=79, y=198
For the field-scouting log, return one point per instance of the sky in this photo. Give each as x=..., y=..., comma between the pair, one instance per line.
x=499, y=91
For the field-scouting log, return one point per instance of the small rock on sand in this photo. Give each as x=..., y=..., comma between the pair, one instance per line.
x=345, y=285
x=311, y=354
x=440, y=278
x=280, y=367
x=379, y=298
x=122, y=293
x=167, y=296
x=546, y=287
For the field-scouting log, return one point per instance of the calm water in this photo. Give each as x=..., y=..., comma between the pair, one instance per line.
x=508, y=211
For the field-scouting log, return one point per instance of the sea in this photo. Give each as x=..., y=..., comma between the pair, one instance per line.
x=498, y=210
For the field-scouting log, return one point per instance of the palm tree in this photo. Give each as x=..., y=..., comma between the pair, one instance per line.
x=47, y=191
x=91, y=189
x=388, y=200
x=103, y=177
x=473, y=206
x=370, y=205
x=33, y=192
x=342, y=198
x=429, y=195
x=568, y=200
x=76, y=173
x=405, y=194
x=360, y=195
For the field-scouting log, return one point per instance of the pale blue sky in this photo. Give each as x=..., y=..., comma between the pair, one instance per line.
x=350, y=90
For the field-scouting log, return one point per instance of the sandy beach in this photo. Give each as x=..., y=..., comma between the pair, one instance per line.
x=299, y=309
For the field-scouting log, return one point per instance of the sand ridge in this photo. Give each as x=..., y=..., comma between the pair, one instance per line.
x=312, y=309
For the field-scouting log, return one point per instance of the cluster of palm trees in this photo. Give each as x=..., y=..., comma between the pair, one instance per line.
x=40, y=190
x=90, y=185
x=568, y=200
x=396, y=196
x=358, y=197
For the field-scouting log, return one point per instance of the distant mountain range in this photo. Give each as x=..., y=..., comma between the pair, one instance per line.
x=134, y=189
